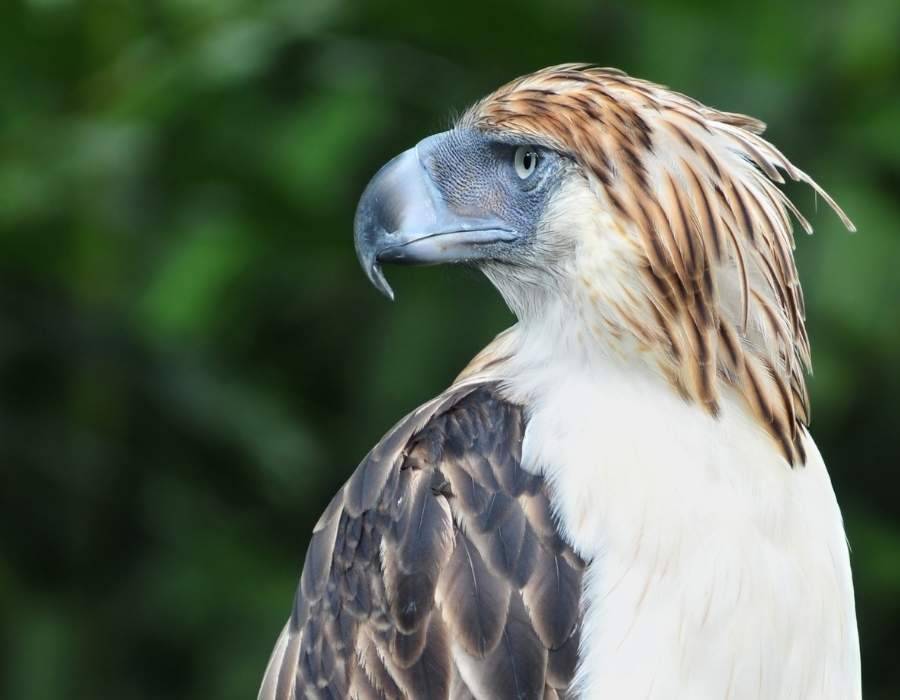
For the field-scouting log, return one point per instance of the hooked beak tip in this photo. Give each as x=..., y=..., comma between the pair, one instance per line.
x=377, y=278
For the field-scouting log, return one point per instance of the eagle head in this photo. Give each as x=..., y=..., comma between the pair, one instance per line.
x=623, y=218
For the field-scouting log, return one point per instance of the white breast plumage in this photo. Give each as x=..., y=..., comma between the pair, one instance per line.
x=715, y=569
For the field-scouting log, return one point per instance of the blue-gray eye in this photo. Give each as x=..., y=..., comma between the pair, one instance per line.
x=526, y=160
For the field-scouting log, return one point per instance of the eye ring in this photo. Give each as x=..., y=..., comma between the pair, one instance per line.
x=525, y=161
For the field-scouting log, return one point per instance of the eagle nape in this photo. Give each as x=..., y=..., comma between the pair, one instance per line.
x=403, y=218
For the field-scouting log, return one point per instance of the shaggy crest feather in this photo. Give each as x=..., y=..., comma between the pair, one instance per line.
x=693, y=189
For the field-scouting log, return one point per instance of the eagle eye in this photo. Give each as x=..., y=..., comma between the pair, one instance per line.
x=525, y=160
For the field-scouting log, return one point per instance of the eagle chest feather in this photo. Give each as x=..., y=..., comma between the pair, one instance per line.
x=437, y=571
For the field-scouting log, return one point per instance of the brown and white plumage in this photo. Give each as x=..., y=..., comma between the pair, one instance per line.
x=715, y=292
x=619, y=497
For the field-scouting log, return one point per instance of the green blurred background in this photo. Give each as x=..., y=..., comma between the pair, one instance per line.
x=191, y=362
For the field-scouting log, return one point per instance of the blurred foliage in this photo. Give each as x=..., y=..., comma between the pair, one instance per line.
x=191, y=362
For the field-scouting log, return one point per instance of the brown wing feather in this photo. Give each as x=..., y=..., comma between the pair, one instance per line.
x=437, y=571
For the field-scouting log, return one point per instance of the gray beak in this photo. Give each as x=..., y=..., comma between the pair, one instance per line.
x=402, y=218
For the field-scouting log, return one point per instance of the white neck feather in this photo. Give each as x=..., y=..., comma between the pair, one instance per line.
x=715, y=569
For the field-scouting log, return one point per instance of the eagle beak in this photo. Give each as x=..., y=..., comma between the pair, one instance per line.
x=402, y=218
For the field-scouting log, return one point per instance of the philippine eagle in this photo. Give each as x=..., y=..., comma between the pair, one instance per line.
x=618, y=497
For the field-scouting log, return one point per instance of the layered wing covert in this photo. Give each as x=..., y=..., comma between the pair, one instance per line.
x=437, y=571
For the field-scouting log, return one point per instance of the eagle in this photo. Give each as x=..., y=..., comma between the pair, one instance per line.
x=619, y=496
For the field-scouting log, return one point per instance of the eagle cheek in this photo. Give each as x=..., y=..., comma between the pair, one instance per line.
x=582, y=259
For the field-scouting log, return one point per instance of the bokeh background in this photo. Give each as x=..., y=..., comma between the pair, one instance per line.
x=191, y=362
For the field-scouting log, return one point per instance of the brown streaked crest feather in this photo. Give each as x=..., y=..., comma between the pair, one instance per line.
x=439, y=552
x=693, y=187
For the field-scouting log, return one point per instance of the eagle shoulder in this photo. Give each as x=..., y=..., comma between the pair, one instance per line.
x=437, y=571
